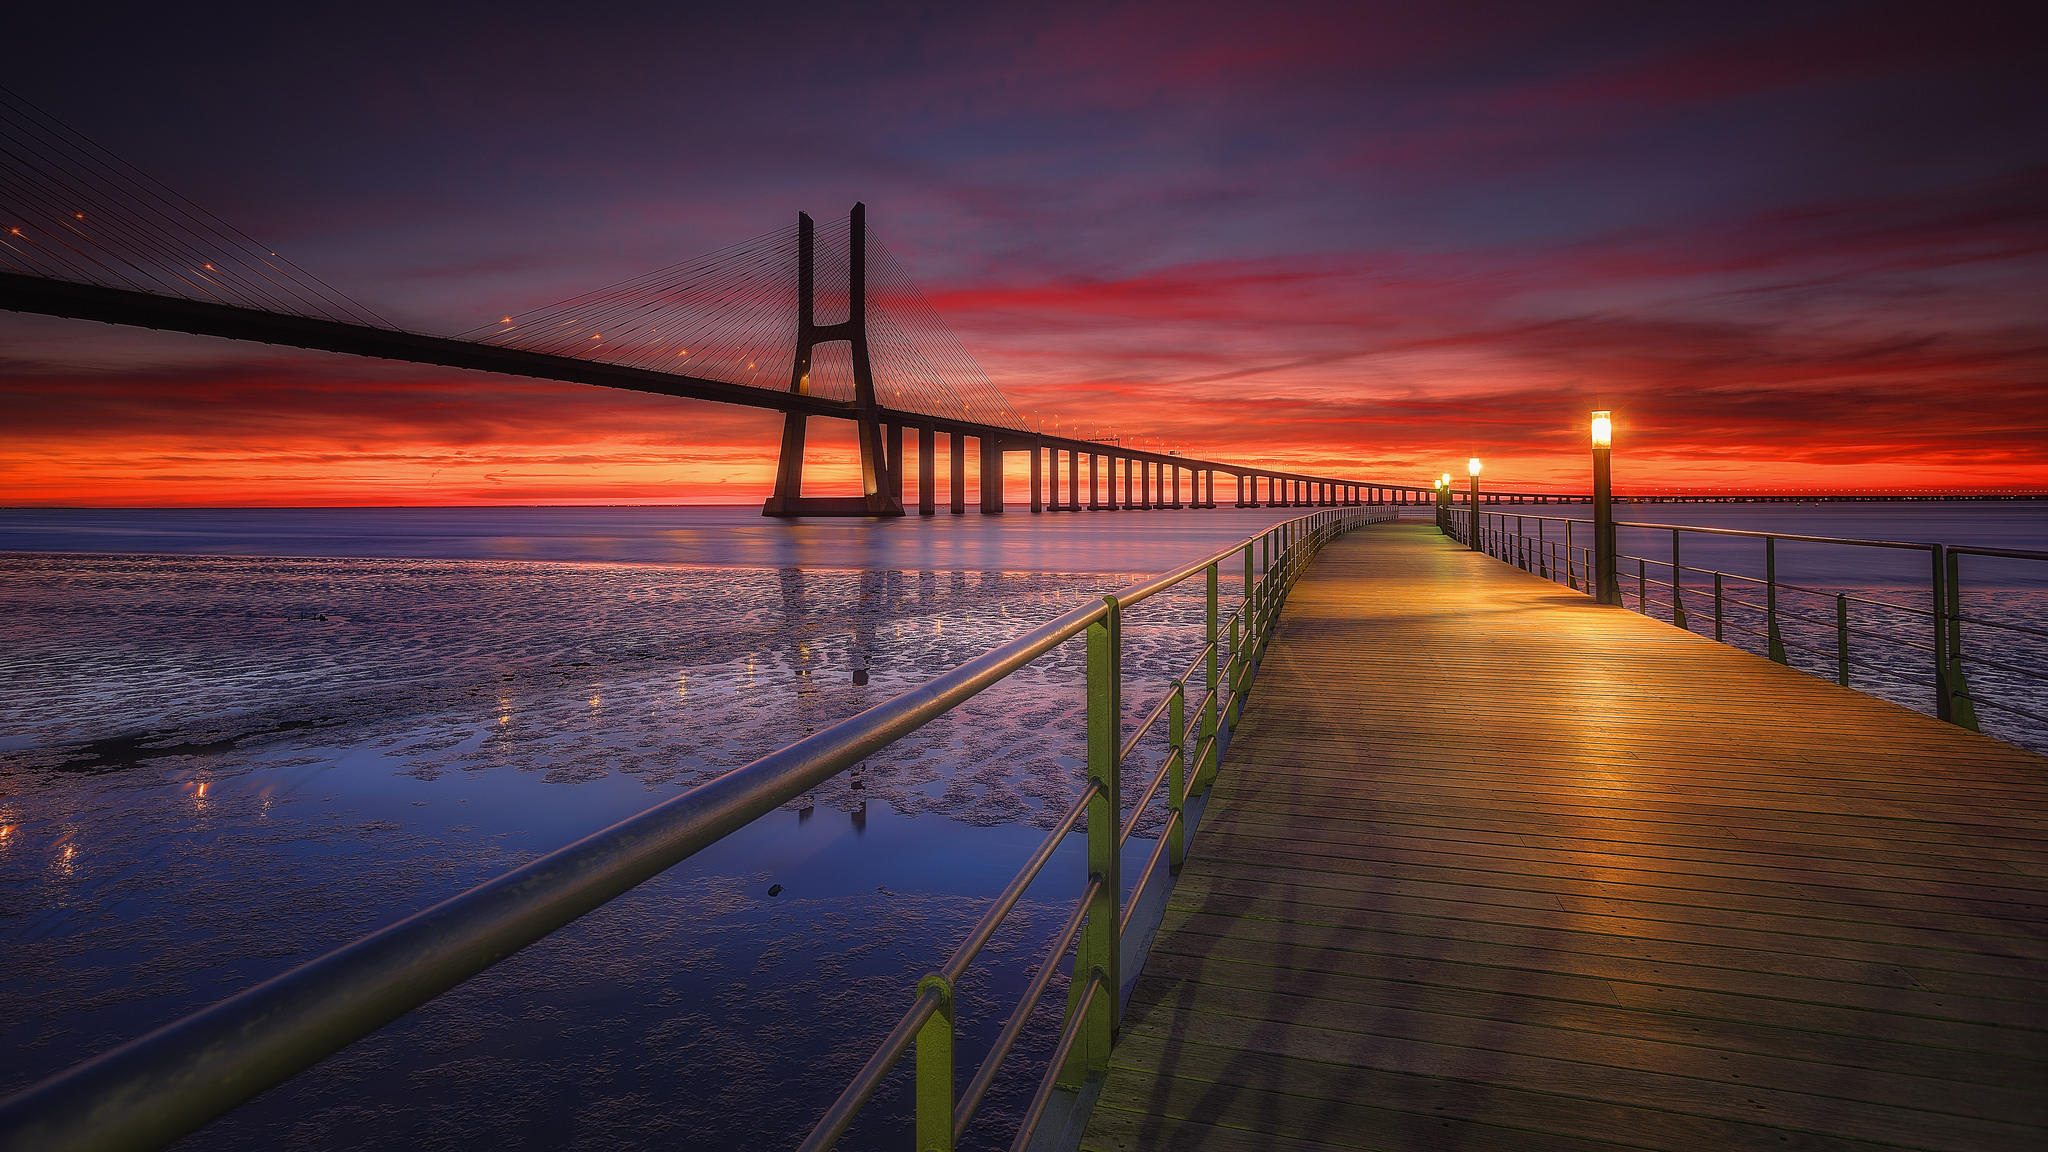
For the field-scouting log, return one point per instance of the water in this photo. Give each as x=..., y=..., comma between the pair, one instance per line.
x=226, y=753
x=232, y=740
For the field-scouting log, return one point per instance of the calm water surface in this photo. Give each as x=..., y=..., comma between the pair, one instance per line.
x=232, y=740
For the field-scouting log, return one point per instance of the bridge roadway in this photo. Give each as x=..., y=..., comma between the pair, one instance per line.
x=1151, y=489
x=1493, y=867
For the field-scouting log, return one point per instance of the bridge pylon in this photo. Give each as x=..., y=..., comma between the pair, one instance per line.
x=881, y=490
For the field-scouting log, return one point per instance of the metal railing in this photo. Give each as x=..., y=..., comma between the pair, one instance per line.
x=1834, y=631
x=175, y=1080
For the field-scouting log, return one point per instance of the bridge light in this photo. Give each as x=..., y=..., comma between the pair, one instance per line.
x=1603, y=431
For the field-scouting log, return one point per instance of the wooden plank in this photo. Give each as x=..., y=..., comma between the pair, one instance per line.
x=1491, y=866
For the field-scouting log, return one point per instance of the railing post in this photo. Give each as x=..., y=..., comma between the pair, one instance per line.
x=1240, y=636
x=1842, y=639
x=1098, y=948
x=1235, y=677
x=1777, y=642
x=1542, y=551
x=1205, y=770
x=935, y=1070
x=1642, y=586
x=1953, y=687
x=1571, y=563
x=1176, y=774
x=1717, y=605
x=1677, y=601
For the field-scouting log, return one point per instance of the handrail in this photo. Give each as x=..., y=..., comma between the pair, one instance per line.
x=1704, y=603
x=170, y=1082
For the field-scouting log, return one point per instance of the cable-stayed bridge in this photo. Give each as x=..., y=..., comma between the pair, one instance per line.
x=810, y=321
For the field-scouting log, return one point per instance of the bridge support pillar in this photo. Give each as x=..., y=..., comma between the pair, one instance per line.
x=892, y=436
x=927, y=480
x=991, y=472
x=1094, y=484
x=880, y=474
x=1037, y=477
x=957, y=491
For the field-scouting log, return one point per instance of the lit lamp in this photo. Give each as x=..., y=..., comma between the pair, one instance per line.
x=1472, y=466
x=1606, y=582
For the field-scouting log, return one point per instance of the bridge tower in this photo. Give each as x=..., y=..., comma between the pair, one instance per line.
x=881, y=491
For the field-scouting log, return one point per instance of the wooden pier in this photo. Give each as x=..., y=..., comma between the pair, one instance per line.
x=1493, y=867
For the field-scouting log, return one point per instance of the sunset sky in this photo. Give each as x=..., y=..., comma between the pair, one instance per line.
x=1788, y=244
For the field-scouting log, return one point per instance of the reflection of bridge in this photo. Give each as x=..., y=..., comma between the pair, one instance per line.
x=89, y=238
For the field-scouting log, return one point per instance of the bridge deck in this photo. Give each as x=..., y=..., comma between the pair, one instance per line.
x=1494, y=867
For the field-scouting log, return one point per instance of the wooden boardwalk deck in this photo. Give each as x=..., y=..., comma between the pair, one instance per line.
x=1493, y=867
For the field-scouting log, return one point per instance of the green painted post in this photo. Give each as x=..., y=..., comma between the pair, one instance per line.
x=1771, y=599
x=1842, y=639
x=1206, y=770
x=1241, y=632
x=935, y=1070
x=1176, y=774
x=1097, y=952
x=1236, y=677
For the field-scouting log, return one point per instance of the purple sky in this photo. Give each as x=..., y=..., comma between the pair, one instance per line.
x=1785, y=242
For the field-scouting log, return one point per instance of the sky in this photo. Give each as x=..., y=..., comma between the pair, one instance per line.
x=1787, y=244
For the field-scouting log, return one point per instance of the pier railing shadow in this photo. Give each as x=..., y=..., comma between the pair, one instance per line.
x=177, y=1079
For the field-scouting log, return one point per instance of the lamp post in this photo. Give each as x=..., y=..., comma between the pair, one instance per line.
x=1606, y=584
x=1443, y=504
x=1472, y=466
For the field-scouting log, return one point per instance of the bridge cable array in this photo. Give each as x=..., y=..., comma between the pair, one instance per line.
x=731, y=316
x=71, y=210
